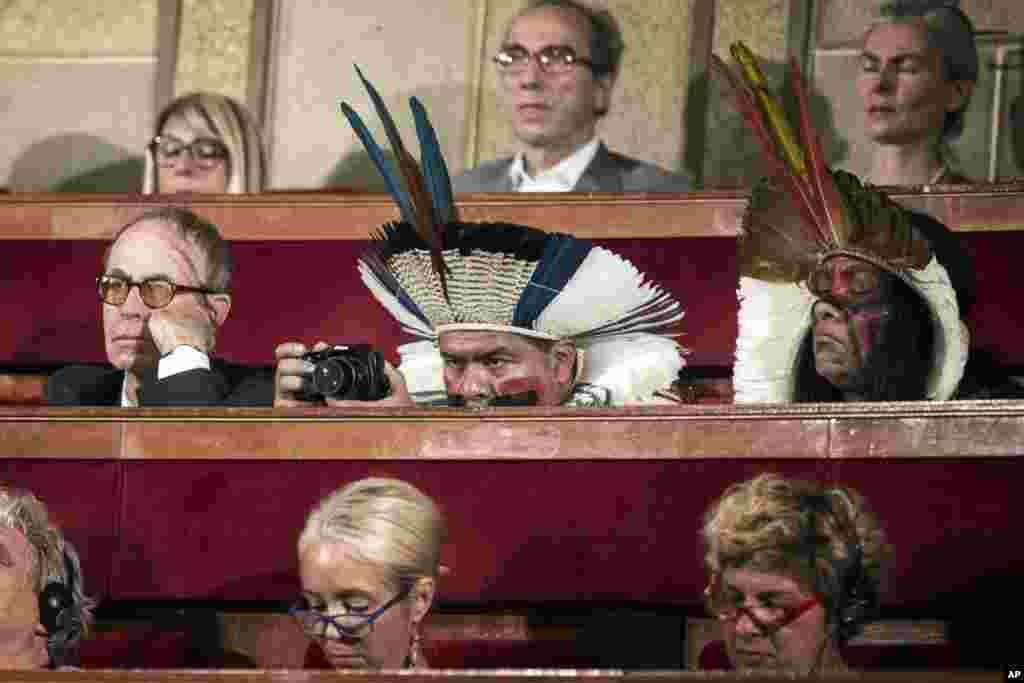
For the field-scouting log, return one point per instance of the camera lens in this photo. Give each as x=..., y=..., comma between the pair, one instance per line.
x=333, y=377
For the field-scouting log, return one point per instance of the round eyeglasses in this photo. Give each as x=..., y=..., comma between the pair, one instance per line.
x=155, y=292
x=551, y=59
x=317, y=624
x=205, y=152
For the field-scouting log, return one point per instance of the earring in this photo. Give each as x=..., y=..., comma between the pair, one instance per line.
x=416, y=660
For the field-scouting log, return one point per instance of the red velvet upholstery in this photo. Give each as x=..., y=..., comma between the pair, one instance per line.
x=311, y=290
x=139, y=647
x=83, y=498
x=520, y=531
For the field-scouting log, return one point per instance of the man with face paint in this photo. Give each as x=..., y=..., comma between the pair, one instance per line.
x=508, y=315
x=844, y=295
x=525, y=318
x=43, y=610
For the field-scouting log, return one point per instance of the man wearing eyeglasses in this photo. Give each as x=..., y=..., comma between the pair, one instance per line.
x=165, y=292
x=557, y=67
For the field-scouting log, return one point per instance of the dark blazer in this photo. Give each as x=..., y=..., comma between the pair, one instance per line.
x=222, y=385
x=608, y=172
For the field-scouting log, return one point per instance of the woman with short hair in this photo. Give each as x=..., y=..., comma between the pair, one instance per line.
x=369, y=558
x=794, y=572
x=205, y=142
x=918, y=70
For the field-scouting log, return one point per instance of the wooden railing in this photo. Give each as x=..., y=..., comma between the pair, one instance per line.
x=313, y=216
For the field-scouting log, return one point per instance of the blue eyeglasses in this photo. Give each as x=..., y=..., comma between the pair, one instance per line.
x=352, y=626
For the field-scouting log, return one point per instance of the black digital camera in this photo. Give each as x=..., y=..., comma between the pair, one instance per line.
x=354, y=373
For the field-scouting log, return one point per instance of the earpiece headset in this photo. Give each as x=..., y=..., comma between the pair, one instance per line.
x=854, y=595
x=57, y=610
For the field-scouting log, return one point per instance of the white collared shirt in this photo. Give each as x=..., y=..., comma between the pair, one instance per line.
x=181, y=359
x=562, y=177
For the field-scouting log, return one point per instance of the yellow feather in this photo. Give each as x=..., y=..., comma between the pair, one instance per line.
x=754, y=77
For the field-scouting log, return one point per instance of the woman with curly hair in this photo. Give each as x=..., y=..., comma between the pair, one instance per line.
x=794, y=572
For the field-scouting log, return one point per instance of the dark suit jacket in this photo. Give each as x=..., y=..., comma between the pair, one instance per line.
x=608, y=172
x=222, y=385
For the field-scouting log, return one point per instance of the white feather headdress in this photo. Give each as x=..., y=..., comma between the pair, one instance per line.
x=436, y=275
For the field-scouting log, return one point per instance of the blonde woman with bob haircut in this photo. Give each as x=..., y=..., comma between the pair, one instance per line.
x=369, y=558
x=794, y=568
x=205, y=142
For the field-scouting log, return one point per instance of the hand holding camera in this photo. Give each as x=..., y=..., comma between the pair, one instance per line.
x=340, y=375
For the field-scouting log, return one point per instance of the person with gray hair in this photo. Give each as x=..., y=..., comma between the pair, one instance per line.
x=557, y=66
x=205, y=142
x=918, y=70
x=43, y=608
x=369, y=560
x=165, y=290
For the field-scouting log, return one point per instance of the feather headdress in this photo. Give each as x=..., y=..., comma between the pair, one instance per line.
x=435, y=274
x=802, y=215
x=806, y=213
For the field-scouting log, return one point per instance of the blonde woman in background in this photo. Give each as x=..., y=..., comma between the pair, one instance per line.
x=794, y=572
x=205, y=142
x=918, y=70
x=369, y=562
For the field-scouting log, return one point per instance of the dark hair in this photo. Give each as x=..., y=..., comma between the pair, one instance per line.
x=606, y=44
x=949, y=30
x=896, y=370
x=199, y=232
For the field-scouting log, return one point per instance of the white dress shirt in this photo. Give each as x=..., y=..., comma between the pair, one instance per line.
x=561, y=177
x=181, y=359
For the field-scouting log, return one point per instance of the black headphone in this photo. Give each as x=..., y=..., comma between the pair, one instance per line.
x=57, y=610
x=854, y=594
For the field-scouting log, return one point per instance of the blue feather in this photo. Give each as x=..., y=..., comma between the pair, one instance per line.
x=562, y=257
x=435, y=170
x=390, y=129
x=393, y=181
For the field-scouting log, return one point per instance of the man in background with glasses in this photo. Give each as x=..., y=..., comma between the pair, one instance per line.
x=164, y=292
x=557, y=66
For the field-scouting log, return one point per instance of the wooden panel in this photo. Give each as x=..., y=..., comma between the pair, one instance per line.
x=751, y=432
x=56, y=438
x=955, y=436
x=314, y=216
x=22, y=389
x=649, y=434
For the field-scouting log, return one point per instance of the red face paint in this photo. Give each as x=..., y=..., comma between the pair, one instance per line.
x=499, y=368
x=849, y=319
x=843, y=281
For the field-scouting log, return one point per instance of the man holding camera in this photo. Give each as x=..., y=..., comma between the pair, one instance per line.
x=509, y=316
x=165, y=292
